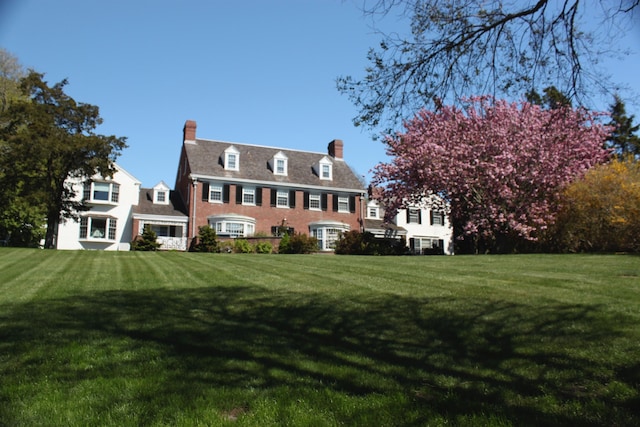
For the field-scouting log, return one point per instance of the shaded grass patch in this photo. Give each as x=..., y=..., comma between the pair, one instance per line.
x=214, y=340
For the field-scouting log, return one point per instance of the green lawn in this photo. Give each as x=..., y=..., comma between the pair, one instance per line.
x=182, y=339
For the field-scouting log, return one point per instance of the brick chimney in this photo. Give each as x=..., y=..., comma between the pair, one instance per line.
x=189, y=131
x=336, y=149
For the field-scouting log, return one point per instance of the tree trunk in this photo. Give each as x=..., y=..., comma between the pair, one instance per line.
x=53, y=220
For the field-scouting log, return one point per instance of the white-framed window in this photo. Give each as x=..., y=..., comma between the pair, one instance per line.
x=215, y=193
x=233, y=225
x=167, y=230
x=279, y=163
x=314, y=202
x=161, y=196
x=426, y=245
x=282, y=199
x=98, y=228
x=232, y=159
x=437, y=218
x=413, y=216
x=248, y=195
x=327, y=233
x=343, y=204
x=373, y=212
x=101, y=192
x=324, y=169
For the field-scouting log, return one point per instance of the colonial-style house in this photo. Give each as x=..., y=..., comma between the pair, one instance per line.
x=242, y=190
x=426, y=231
x=107, y=224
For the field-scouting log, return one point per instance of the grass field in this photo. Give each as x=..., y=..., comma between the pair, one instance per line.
x=182, y=339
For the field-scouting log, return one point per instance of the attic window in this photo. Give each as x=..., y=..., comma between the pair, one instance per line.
x=232, y=159
x=324, y=169
x=279, y=164
x=161, y=194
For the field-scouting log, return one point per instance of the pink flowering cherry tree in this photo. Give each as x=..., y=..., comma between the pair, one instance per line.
x=498, y=167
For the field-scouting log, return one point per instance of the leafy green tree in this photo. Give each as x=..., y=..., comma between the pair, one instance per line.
x=11, y=71
x=454, y=49
x=48, y=139
x=551, y=98
x=624, y=139
x=21, y=214
x=148, y=241
x=207, y=240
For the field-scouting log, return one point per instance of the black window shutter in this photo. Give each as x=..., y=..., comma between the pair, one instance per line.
x=292, y=198
x=431, y=216
x=274, y=194
x=259, y=196
x=225, y=193
x=352, y=204
x=323, y=201
x=238, y=194
x=205, y=191
x=335, y=202
x=419, y=216
x=408, y=216
x=306, y=200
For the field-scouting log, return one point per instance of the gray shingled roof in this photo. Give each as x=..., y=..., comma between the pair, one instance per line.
x=147, y=207
x=378, y=224
x=205, y=158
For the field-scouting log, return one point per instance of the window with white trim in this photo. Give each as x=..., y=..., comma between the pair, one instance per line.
x=413, y=216
x=343, y=204
x=248, y=195
x=437, y=218
x=327, y=233
x=314, y=202
x=232, y=159
x=215, y=193
x=373, y=212
x=282, y=199
x=233, y=225
x=101, y=192
x=324, y=169
x=161, y=196
x=98, y=228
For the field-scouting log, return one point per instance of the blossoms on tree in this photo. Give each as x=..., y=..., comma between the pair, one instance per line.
x=498, y=167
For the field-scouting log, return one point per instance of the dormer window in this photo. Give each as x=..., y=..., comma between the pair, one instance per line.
x=373, y=211
x=232, y=159
x=161, y=194
x=279, y=164
x=324, y=169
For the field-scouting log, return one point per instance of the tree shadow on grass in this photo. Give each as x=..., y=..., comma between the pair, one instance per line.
x=451, y=359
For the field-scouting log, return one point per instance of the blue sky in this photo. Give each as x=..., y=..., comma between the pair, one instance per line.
x=255, y=71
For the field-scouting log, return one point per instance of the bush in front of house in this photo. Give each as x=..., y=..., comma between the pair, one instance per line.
x=297, y=243
x=357, y=243
x=207, y=240
x=242, y=246
x=148, y=241
x=263, y=248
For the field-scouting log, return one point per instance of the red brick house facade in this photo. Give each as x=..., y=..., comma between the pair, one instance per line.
x=242, y=190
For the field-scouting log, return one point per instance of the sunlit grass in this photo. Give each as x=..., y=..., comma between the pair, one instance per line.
x=130, y=339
